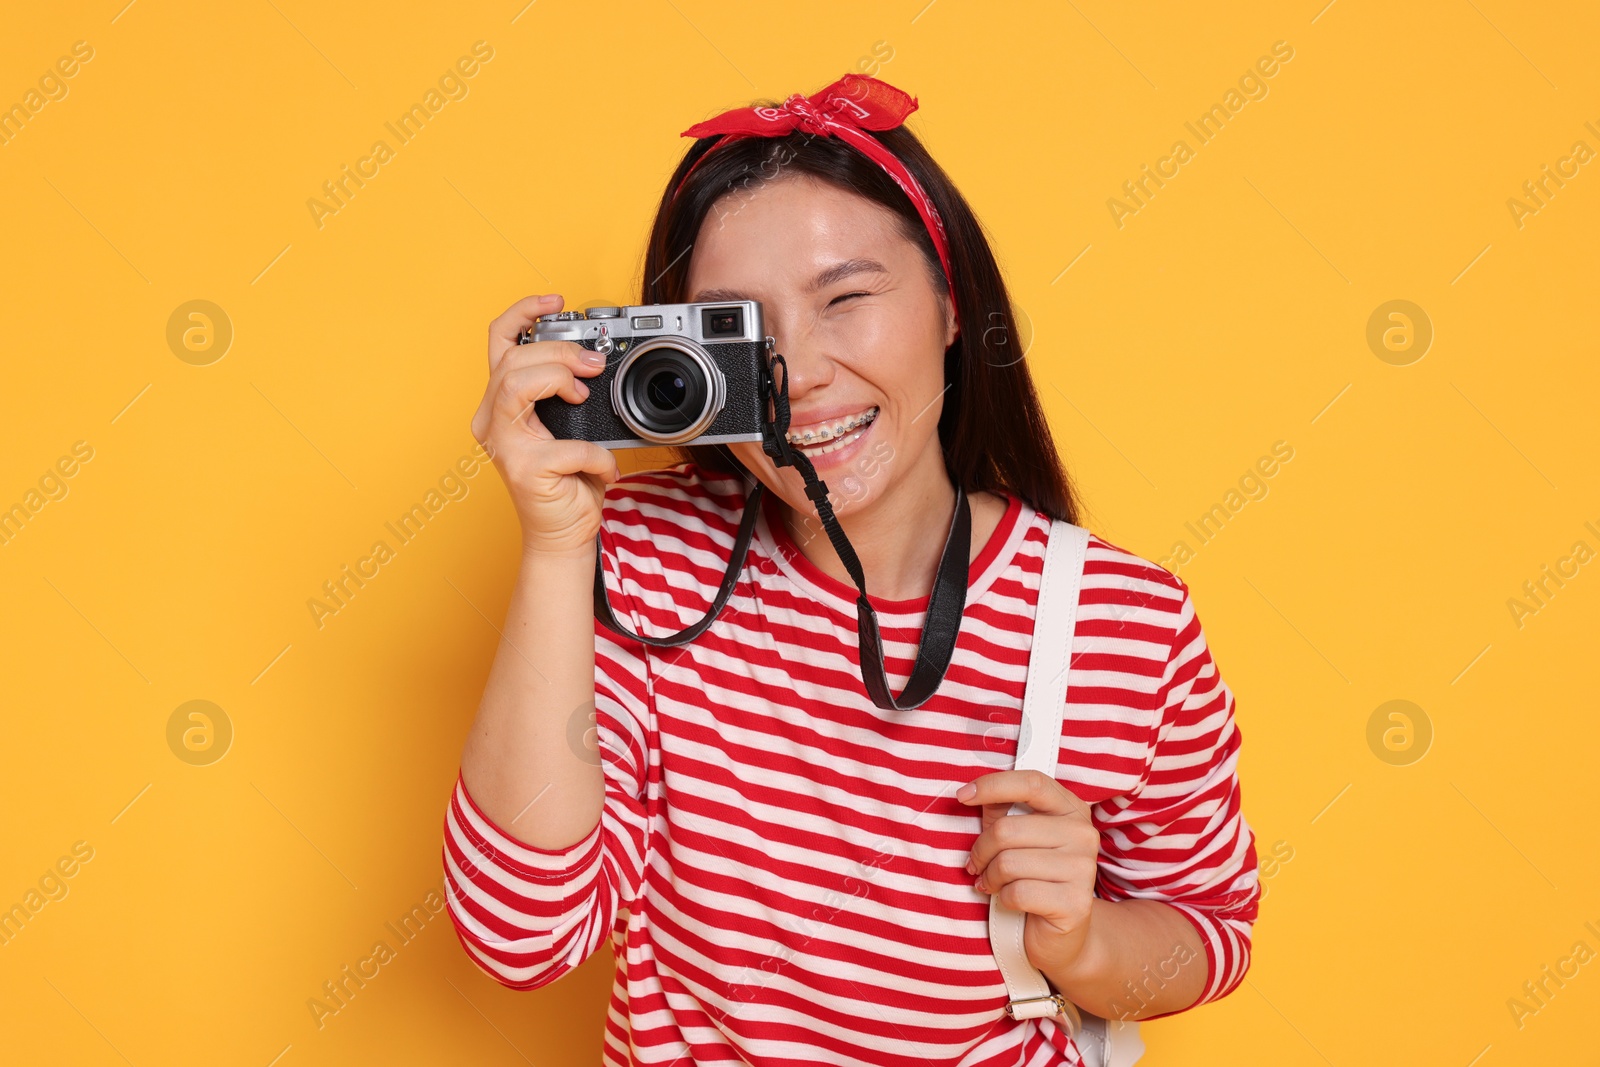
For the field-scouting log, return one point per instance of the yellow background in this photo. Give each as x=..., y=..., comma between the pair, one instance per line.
x=1229, y=313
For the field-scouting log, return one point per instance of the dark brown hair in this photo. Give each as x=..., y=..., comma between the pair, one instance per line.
x=992, y=428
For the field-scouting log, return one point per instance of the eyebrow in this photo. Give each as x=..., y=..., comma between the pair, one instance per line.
x=837, y=272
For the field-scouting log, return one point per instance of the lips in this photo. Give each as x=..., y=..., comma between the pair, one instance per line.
x=815, y=436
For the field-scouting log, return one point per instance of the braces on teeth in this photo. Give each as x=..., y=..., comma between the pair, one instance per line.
x=837, y=430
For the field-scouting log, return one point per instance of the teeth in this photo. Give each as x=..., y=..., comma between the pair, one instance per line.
x=833, y=445
x=828, y=433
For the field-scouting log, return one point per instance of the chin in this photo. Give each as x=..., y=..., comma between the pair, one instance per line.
x=856, y=473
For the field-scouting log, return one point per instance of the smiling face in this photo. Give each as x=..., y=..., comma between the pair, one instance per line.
x=861, y=326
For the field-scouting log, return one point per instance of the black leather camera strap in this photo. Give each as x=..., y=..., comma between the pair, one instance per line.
x=741, y=545
x=946, y=602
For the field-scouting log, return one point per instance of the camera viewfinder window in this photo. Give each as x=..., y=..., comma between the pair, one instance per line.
x=722, y=322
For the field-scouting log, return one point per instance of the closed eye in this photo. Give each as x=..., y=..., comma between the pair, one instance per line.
x=846, y=296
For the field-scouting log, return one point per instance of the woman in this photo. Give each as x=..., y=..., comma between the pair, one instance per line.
x=787, y=870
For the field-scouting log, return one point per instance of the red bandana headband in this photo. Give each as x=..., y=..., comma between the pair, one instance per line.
x=844, y=109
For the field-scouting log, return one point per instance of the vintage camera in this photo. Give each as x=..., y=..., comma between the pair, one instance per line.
x=675, y=374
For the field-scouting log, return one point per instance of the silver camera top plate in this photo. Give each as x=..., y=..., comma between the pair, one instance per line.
x=655, y=320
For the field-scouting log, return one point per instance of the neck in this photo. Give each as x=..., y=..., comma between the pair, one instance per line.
x=899, y=536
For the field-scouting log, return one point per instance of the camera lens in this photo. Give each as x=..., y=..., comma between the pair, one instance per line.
x=667, y=391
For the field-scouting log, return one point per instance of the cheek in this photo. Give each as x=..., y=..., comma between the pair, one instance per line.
x=904, y=360
x=898, y=354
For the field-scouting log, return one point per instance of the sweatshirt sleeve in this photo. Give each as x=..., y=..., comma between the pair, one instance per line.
x=1182, y=838
x=527, y=915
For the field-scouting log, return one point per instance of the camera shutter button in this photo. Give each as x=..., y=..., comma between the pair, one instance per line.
x=605, y=346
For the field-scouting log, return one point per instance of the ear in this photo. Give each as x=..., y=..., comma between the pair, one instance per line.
x=951, y=331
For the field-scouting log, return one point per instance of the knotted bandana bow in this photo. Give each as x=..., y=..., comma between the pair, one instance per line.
x=844, y=109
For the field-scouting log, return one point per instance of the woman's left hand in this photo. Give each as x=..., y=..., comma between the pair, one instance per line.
x=1042, y=863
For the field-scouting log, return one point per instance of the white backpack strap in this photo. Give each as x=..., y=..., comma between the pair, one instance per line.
x=1044, y=702
x=1038, y=748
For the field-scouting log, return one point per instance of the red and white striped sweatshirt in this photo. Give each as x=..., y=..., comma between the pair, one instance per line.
x=780, y=864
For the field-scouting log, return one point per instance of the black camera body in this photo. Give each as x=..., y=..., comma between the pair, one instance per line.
x=675, y=374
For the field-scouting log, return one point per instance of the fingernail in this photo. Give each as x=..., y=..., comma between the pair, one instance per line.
x=551, y=298
x=972, y=866
x=594, y=359
x=967, y=792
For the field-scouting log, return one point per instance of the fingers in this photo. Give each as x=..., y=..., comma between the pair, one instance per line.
x=998, y=790
x=1035, y=864
x=581, y=457
x=557, y=486
x=516, y=318
x=521, y=388
x=1064, y=906
x=1024, y=832
x=568, y=354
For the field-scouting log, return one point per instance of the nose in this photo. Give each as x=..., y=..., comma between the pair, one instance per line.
x=805, y=357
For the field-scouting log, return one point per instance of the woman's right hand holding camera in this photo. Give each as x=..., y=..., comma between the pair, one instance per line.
x=557, y=486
